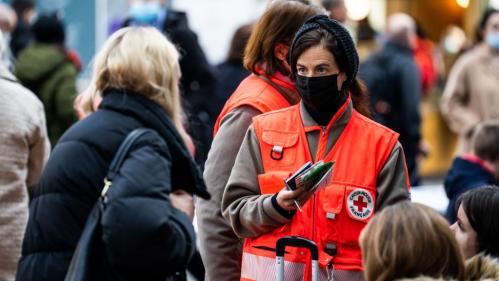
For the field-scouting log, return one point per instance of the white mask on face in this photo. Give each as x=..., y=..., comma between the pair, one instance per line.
x=492, y=40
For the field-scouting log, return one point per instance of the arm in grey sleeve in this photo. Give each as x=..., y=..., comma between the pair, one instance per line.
x=218, y=243
x=392, y=180
x=248, y=212
x=39, y=149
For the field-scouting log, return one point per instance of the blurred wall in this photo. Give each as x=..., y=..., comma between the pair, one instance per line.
x=216, y=20
x=435, y=15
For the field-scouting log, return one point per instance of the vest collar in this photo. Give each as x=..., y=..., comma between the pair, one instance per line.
x=278, y=78
x=340, y=118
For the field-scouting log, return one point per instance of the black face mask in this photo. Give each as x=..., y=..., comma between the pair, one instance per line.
x=320, y=96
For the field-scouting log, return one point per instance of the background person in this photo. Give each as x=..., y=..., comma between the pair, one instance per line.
x=46, y=68
x=476, y=231
x=470, y=95
x=198, y=80
x=394, y=84
x=477, y=225
x=475, y=169
x=24, y=149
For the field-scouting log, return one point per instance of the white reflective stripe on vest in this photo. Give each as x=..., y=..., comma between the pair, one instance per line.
x=263, y=269
x=260, y=268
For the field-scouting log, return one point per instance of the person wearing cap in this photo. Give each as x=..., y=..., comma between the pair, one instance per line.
x=330, y=123
x=148, y=233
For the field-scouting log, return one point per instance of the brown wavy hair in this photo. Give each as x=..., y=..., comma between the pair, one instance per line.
x=277, y=25
x=407, y=240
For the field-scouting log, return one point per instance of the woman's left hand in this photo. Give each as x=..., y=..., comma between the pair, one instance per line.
x=286, y=198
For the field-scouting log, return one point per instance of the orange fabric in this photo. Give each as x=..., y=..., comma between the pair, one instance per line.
x=328, y=217
x=256, y=93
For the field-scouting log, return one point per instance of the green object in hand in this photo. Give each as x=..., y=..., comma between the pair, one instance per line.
x=311, y=177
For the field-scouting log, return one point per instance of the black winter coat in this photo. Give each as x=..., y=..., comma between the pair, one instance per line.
x=73, y=179
x=393, y=78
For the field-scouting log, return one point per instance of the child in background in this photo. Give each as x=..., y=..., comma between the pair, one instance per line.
x=472, y=170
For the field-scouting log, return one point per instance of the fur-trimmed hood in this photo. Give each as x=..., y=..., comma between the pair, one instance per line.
x=482, y=267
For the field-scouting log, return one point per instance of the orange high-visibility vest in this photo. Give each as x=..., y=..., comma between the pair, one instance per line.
x=336, y=214
x=256, y=93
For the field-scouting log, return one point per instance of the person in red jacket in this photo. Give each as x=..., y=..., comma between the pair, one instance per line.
x=328, y=124
x=267, y=88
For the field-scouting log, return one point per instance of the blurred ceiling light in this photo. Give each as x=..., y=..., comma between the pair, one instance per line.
x=463, y=3
x=494, y=4
x=358, y=9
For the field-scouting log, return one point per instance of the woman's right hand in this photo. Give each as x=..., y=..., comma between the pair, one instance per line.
x=183, y=201
x=286, y=198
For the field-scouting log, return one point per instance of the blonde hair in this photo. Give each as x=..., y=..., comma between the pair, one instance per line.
x=408, y=240
x=140, y=60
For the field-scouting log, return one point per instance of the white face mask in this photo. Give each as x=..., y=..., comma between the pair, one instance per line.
x=146, y=13
x=492, y=40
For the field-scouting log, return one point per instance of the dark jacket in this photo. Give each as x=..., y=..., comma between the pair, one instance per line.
x=47, y=71
x=393, y=78
x=229, y=75
x=464, y=175
x=198, y=80
x=73, y=179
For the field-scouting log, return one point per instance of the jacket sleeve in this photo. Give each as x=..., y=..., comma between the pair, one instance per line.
x=248, y=212
x=393, y=180
x=65, y=94
x=39, y=147
x=459, y=115
x=160, y=237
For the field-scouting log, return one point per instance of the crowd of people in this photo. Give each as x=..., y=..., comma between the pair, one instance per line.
x=116, y=194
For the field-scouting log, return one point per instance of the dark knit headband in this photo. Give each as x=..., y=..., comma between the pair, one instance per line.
x=342, y=36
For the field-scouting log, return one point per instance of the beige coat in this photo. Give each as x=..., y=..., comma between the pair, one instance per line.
x=472, y=93
x=24, y=148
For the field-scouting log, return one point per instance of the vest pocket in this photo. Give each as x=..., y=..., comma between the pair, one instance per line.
x=276, y=147
x=332, y=198
x=272, y=182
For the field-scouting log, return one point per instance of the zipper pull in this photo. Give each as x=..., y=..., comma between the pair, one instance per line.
x=323, y=129
x=107, y=185
x=330, y=271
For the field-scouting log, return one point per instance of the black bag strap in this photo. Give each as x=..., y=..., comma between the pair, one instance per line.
x=119, y=158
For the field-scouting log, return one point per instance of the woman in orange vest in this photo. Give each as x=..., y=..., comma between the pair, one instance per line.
x=267, y=88
x=328, y=124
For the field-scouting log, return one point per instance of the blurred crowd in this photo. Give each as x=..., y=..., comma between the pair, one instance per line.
x=166, y=167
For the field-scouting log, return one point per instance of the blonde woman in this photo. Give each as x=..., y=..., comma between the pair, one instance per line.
x=137, y=74
x=408, y=240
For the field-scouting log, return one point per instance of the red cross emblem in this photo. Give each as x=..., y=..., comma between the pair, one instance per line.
x=360, y=204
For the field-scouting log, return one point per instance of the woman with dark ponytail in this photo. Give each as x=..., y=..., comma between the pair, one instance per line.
x=328, y=124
